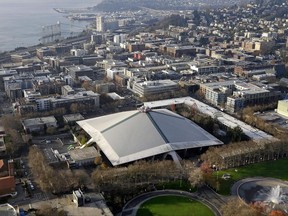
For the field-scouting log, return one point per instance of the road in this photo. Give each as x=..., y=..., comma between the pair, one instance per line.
x=130, y=209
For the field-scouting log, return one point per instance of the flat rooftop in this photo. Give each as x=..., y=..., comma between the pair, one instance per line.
x=85, y=153
x=39, y=121
x=73, y=117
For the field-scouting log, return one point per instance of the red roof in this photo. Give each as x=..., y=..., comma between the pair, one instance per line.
x=7, y=185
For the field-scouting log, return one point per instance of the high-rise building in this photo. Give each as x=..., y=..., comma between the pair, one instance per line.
x=100, y=27
x=96, y=38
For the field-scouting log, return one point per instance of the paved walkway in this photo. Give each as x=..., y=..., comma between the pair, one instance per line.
x=205, y=195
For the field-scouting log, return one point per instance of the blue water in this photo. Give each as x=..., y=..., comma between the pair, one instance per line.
x=21, y=21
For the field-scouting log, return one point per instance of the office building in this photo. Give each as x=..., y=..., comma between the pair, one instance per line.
x=147, y=88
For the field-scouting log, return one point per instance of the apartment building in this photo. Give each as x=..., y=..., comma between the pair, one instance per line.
x=235, y=95
x=147, y=88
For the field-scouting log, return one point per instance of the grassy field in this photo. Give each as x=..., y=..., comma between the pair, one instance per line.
x=173, y=206
x=275, y=169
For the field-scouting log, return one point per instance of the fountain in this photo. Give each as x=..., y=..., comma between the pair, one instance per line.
x=274, y=194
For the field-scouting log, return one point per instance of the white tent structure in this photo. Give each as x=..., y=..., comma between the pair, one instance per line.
x=129, y=136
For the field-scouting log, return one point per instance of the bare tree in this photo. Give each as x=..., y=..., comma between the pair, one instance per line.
x=196, y=177
x=74, y=108
x=48, y=178
x=237, y=207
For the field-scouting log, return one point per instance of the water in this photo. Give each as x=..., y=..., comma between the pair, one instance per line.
x=21, y=21
x=276, y=196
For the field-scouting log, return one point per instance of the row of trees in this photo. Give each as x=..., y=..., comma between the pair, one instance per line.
x=167, y=95
x=212, y=125
x=242, y=153
x=122, y=184
x=51, y=179
x=248, y=116
x=145, y=173
x=141, y=172
x=237, y=207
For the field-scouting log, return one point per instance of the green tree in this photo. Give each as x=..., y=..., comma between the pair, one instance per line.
x=235, y=134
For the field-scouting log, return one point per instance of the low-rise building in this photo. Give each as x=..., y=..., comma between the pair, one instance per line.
x=6, y=73
x=83, y=97
x=282, y=107
x=80, y=70
x=147, y=88
x=85, y=156
x=39, y=124
x=72, y=118
x=250, y=95
x=67, y=90
x=235, y=95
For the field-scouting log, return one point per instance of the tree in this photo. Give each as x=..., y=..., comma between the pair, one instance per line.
x=237, y=207
x=98, y=160
x=235, y=134
x=206, y=168
x=277, y=213
x=259, y=206
x=50, y=179
x=196, y=177
x=13, y=141
x=11, y=122
x=74, y=108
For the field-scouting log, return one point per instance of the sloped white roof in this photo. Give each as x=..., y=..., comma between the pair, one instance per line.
x=128, y=136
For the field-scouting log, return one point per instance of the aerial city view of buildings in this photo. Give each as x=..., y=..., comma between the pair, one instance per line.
x=159, y=98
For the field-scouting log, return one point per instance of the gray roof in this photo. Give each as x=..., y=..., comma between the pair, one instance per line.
x=128, y=136
x=73, y=117
x=83, y=154
x=39, y=121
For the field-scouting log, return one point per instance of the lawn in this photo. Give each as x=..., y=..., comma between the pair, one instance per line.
x=173, y=206
x=274, y=169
